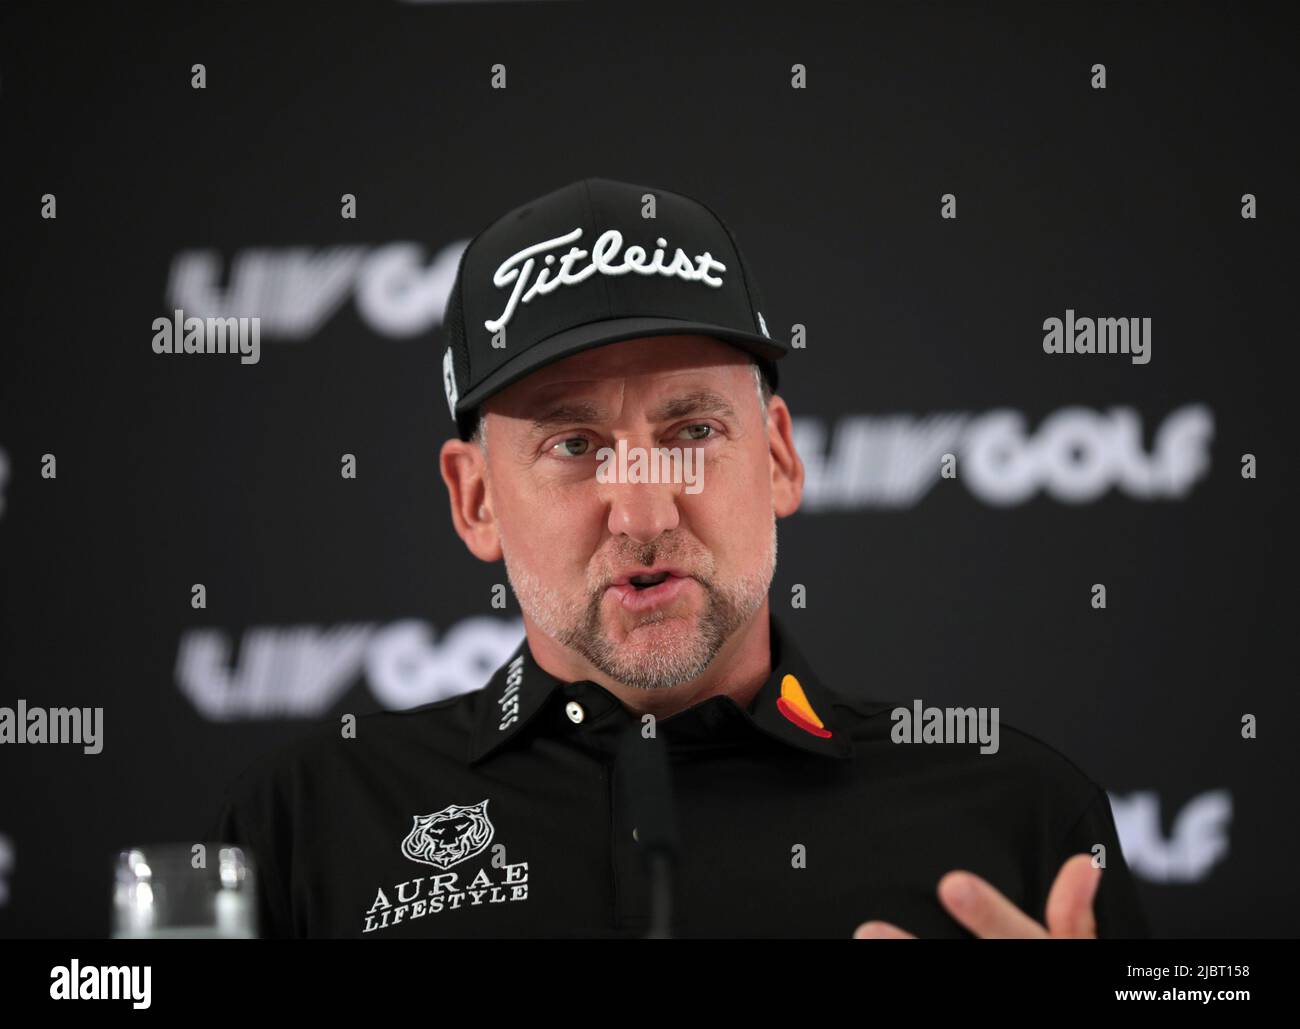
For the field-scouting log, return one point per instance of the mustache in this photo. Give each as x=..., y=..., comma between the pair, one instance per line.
x=691, y=557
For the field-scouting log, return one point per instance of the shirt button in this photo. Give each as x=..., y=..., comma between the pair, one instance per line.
x=574, y=710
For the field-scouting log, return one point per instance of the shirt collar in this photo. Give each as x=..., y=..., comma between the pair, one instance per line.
x=792, y=707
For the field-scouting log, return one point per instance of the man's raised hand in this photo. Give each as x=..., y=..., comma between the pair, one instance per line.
x=990, y=916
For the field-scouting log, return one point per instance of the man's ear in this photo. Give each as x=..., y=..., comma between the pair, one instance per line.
x=787, y=469
x=464, y=470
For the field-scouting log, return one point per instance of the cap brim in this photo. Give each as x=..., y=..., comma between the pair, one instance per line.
x=614, y=330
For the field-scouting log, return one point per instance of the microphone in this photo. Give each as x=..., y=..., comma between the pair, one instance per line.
x=646, y=788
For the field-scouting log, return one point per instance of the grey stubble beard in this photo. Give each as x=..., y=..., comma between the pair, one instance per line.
x=729, y=607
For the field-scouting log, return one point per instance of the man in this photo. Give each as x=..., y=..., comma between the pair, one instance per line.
x=611, y=376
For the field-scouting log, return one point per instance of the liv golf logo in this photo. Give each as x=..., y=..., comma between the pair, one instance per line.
x=1075, y=455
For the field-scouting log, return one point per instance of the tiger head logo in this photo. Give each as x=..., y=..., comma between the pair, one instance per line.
x=449, y=836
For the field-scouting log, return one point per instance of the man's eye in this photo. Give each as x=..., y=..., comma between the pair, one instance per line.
x=697, y=432
x=574, y=446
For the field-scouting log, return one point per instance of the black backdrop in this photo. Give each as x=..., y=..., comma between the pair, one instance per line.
x=327, y=595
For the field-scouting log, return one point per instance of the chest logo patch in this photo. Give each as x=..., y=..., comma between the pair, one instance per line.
x=442, y=839
x=450, y=836
x=793, y=703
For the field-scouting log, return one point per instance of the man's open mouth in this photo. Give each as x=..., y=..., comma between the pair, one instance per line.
x=643, y=582
x=641, y=591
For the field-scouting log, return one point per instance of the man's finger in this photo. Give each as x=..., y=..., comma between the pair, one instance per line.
x=880, y=931
x=1069, y=904
x=984, y=911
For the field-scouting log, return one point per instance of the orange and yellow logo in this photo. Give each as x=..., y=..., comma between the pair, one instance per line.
x=793, y=703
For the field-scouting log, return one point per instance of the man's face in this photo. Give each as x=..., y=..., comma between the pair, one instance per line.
x=645, y=580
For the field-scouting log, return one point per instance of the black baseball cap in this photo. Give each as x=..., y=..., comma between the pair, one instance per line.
x=587, y=265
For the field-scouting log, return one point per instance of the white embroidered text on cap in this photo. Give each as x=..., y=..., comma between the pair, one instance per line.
x=518, y=268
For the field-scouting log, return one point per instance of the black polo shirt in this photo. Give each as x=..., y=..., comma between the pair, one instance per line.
x=497, y=813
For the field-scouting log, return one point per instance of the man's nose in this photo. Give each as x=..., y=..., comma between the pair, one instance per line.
x=642, y=511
